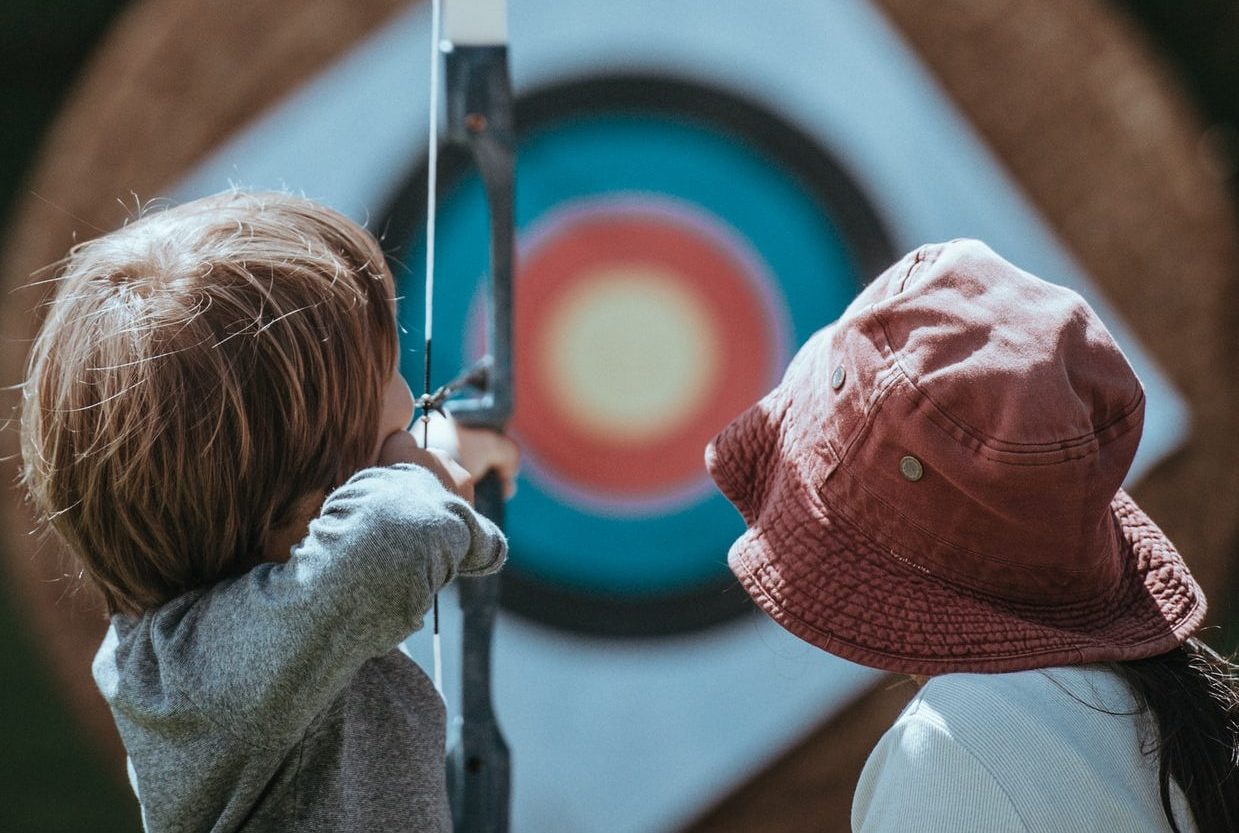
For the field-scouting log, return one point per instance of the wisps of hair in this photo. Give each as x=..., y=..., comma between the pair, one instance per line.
x=1192, y=694
x=201, y=373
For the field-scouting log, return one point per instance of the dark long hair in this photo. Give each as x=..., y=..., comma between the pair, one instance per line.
x=1192, y=694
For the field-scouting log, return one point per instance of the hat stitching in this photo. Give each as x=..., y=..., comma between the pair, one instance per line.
x=1099, y=647
x=879, y=394
x=781, y=612
x=744, y=502
x=994, y=443
x=725, y=478
x=842, y=462
x=1046, y=457
x=920, y=256
x=761, y=473
x=876, y=538
x=1047, y=454
x=1088, y=606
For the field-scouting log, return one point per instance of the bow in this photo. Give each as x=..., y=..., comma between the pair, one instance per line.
x=473, y=43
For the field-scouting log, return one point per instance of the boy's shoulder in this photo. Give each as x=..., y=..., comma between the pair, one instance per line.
x=128, y=660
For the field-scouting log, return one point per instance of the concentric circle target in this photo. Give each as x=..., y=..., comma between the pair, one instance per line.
x=646, y=325
x=675, y=245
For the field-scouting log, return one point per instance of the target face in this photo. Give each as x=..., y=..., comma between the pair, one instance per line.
x=673, y=250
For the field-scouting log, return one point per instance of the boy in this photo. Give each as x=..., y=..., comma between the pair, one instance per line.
x=214, y=423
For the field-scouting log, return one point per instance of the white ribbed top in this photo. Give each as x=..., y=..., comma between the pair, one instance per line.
x=1016, y=753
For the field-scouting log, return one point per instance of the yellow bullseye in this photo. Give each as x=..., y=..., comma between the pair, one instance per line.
x=630, y=354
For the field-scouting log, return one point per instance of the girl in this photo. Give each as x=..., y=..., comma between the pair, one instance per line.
x=934, y=489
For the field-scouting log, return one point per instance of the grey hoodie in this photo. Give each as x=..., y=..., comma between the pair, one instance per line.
x=276, y=700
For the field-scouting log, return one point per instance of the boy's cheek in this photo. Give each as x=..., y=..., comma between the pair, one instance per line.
x=398, y=407
x=396, y=413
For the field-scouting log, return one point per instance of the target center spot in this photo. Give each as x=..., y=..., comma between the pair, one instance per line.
x=631, y=352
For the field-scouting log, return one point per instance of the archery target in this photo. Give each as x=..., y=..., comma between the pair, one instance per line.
x=674, y=244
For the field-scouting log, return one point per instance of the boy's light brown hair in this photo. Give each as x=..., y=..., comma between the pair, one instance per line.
x=202, y=374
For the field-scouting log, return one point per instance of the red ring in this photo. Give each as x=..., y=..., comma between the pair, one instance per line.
x=714, y=277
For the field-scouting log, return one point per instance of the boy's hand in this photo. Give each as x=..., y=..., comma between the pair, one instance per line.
x=481, y=451
x=400, y=447
x=477, y=449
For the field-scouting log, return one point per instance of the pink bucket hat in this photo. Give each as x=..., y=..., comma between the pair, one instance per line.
x=934, y=486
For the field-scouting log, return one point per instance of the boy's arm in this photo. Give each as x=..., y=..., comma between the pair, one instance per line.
x=268, y=650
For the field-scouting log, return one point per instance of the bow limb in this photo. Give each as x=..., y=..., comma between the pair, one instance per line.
x=480, y=115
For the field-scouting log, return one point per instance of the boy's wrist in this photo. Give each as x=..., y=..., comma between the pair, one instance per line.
x=401, y=447
x=488, y=553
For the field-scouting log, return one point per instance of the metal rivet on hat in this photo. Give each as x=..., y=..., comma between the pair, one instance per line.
x=836, y=378
x=911, y=468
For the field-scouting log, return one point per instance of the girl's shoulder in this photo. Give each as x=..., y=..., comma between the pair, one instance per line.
x=1081, y=692
x=1019, y=719
x=1051, y=749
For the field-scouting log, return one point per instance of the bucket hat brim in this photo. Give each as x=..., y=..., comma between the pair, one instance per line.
x=822, y=578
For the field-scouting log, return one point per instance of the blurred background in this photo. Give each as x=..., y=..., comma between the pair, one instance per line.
x=701, y=185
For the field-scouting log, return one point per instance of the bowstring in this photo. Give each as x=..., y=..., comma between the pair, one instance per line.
x=432, y=164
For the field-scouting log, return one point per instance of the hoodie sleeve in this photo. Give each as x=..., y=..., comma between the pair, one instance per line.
x=265, y=652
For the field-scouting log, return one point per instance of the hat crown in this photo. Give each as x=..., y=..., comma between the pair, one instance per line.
x=1011, y=403
x=1017, y=359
